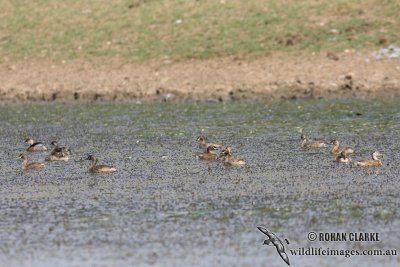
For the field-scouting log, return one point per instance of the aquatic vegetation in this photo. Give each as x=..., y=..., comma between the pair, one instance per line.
x=162, y=192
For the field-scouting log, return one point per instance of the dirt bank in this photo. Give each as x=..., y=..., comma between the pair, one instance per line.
x=353, y=74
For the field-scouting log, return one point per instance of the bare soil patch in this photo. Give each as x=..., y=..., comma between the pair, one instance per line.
x=351, y=74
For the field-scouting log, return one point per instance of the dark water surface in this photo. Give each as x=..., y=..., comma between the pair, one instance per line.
x=166, y=208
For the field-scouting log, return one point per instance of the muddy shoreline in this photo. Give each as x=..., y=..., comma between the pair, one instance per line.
x=350, y=74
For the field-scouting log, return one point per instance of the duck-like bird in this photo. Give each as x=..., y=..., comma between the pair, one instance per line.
x=307, y=143
x=230, y=160
x=203, y=142
x=210, y=155
x=336, y=150
x=275, y=241
x=35, y=146
x=59, y=153
x=374, y=162
x=37, y=166
x=343, y=156
x=99, y=168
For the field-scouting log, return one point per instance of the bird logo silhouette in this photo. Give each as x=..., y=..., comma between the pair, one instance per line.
x=273, y=240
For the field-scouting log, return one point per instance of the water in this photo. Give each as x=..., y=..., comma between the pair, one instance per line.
x=166, y=208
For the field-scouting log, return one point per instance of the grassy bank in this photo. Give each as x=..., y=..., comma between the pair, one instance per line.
x=155, y=29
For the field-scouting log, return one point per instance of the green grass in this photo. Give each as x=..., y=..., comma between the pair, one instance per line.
x=179, y=29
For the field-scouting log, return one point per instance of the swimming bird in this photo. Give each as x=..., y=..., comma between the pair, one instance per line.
x=230, y=160
x=57, y=157
x=307, y=143
x=343, y=158
x=336, y=150
x=99, y=168
x=210, y=155
x=203, y=142
x=374, y=162
x=31, y=166
x=34, y=146
x=275, y=241
x=59, y=153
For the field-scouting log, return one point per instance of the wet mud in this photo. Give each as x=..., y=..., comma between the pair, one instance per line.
x=355, y=74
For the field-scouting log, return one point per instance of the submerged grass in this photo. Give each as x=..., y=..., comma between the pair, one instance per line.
x=163, y=201
x=358, y=116
x=155, y=29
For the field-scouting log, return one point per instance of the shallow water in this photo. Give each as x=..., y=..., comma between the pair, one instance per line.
x=166, y=208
